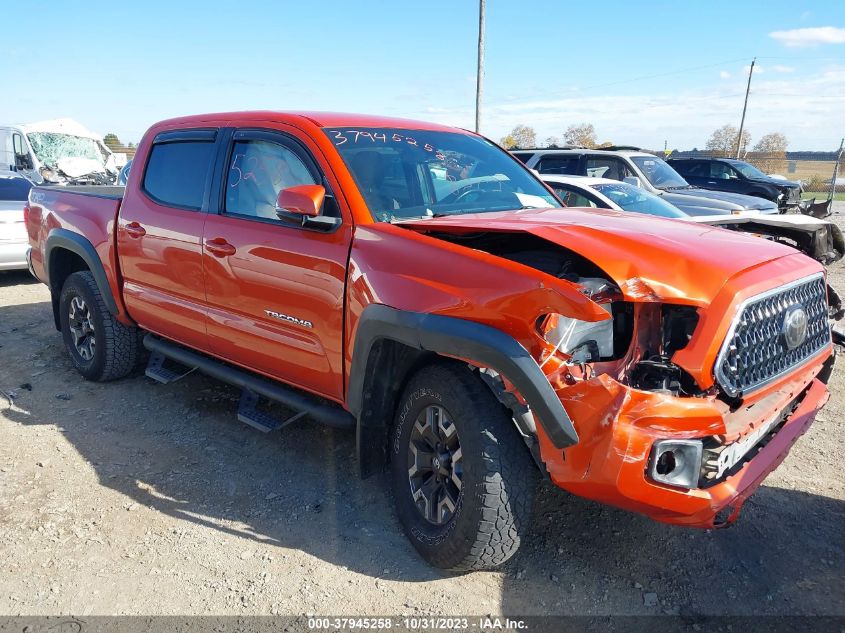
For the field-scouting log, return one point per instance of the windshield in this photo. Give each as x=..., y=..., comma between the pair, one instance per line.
x=749, y=171
x=419, y=173
x=634, y=199
x=658, y=172
x=51, y=147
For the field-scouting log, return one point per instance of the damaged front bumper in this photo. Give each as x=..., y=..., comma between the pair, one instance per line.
x=619, y=427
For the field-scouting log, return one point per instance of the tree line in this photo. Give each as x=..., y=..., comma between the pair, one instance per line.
x=722, y=142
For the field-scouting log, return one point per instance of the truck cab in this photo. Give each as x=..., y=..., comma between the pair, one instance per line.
x=60, y=151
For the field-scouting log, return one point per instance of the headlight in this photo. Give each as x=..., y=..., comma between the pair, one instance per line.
x=676, y=462
x=585, y=341
x=736, y=211
x=49, y=175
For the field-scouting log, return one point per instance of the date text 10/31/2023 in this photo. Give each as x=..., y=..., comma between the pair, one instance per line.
x=417, y=623
x=341, y=137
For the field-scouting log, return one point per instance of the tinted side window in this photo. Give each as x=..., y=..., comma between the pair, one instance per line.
x=522, y=156
x=176, y=173
x=558, y=165
x=607, y=167
x=694, y=168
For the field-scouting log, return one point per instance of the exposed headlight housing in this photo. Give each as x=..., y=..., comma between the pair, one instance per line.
x=49, y=175
x=676, y=462
x=584, y=341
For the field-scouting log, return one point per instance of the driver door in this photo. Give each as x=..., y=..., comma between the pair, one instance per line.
x=274, y=289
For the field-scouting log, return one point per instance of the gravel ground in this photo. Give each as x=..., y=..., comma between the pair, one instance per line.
x=137, y=498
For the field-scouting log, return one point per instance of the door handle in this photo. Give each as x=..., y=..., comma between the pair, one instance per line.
x=219, y=247
x=135, y=230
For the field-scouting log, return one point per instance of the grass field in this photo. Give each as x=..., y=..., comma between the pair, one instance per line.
x=822, y=195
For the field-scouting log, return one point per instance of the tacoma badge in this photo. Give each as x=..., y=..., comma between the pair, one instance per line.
x=290, y=319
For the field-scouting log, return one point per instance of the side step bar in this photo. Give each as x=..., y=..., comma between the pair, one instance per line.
x=305, y=404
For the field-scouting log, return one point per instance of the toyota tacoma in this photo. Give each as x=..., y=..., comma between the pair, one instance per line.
x=419, y=285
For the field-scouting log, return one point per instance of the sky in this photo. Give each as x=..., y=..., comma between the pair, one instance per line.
x=643, y=73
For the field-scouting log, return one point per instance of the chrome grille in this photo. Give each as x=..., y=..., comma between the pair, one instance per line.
x=755, y=351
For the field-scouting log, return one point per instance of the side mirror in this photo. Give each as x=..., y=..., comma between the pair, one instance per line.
x=633, y=180
x=304, y=204
x=302, y=200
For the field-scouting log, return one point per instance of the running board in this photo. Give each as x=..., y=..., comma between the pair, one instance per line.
x=157, y=370
x=248, y=413
x=305, y=404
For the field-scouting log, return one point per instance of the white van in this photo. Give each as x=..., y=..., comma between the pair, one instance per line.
x=60, y=151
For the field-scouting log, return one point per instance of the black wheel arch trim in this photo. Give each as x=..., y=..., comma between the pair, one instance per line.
x=475, y=342
x=74, y=242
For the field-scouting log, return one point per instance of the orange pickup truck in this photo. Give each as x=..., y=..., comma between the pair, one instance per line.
x=417, y=284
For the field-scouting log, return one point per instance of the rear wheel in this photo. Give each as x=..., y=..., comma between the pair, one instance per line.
x=100, y=347
x=462, y=477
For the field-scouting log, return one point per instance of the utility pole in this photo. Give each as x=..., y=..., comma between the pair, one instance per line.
x=479, y=86
x=835, y=171
x=744, y=106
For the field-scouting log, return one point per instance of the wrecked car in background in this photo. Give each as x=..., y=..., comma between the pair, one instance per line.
x=820, y=239
x=60, y=151
x=644, y=170
x=419, y=285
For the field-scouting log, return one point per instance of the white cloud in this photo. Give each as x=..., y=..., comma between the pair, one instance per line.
x=783, y=69
x=801, y=107
x=725, y=74
x=810, y=36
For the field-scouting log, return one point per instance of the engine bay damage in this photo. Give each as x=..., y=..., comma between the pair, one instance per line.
x=634, y=344
x=635, y=367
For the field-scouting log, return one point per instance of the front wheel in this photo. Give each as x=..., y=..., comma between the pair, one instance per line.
x=100, y=347
x=462, y=477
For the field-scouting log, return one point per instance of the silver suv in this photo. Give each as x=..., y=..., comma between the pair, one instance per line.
x=643, y=170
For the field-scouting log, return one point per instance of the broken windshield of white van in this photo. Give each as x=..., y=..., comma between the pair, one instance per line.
x=50, y=147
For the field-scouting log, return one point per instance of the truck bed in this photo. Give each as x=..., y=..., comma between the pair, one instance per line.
x=88, y=212
x=113, y=192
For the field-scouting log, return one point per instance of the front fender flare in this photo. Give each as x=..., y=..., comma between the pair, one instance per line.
x=475, y=342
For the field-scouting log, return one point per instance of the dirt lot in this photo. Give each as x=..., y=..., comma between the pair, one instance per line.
x=133, y=497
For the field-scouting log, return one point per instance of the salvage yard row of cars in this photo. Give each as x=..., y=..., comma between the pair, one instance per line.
x=417, y=284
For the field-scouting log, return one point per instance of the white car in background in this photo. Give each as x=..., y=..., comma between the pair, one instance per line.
x=14, y=242
x=820, y=239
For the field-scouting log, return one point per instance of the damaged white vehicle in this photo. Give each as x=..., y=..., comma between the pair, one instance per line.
x=60, y=151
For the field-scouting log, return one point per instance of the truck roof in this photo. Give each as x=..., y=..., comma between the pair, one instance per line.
x=320, y=119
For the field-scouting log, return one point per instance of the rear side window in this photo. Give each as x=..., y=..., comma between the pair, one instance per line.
x=523, y=157
x=695, y=168
x=176, y=173
x=558, y=165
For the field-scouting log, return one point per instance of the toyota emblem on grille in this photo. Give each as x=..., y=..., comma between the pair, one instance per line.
x=794, y=326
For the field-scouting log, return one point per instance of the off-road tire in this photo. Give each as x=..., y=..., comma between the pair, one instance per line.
x=115, y=353
x=499, y=476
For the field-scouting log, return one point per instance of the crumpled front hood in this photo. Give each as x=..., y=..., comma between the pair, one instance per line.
x=76, y=166
x=649, y=258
